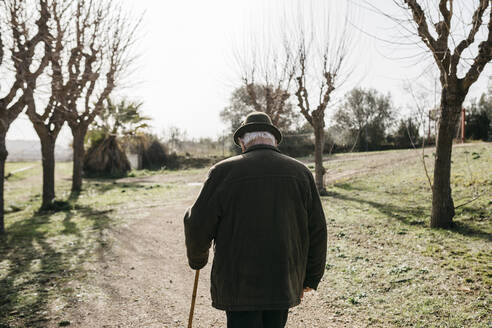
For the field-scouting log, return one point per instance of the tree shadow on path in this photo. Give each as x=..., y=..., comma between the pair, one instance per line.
x=37, y=259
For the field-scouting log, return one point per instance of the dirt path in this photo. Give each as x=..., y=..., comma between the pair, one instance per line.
x=143, y=279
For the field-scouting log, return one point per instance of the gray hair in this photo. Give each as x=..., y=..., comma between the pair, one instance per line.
x=253, y=137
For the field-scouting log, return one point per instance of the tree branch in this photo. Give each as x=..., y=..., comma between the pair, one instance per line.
x=483, y=57
x=22, y=54
x=301, y=93
x=420, y=20
x=424, y=33
x=476, y=23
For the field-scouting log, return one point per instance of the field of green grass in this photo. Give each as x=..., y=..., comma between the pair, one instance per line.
x=385, y=266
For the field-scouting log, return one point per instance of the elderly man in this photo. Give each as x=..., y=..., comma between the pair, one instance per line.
x=263, y=213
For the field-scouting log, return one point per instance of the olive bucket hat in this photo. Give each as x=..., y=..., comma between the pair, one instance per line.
x=257, y=121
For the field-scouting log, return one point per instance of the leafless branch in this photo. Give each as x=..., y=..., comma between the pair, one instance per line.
x=301, y=93
x=23, y=47
x=476, y=24
x=483, y=57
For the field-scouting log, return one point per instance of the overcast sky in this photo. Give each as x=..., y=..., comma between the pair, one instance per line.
x=186, y=71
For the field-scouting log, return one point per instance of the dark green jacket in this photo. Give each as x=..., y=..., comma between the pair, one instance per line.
x=264, y=214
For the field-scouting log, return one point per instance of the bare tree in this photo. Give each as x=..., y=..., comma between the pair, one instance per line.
x=90, y=53
x=23, y=42
x=48, y=116
x=101, y=53
x=448, y=56
x=48, y=123
x=310, y=61
x=86, y=50
x=323, y=54
x=316, y=116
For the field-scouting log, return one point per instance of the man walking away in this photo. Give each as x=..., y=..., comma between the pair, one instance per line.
x=263, y=213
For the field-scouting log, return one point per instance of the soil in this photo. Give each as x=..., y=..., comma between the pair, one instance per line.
x=142, y=278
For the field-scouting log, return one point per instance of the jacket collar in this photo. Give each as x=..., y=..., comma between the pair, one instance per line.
x=255, y=147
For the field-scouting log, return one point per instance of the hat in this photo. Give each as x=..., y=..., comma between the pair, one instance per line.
x=257, y=121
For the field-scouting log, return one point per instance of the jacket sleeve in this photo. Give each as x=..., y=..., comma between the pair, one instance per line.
x=200, y=222
x=317, y=239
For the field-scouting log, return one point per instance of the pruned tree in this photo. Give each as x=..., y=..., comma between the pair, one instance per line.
x=47, y=117
x=91, y=54
x=307, y=55
x=457, y=75
x=22, y=32
x=322, y=53
x=316, y=115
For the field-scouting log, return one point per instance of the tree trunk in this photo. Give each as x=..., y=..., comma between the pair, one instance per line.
x=48, y=153
x=3, y=158
x=319, y=170
x=442, y=201
x=78, y=158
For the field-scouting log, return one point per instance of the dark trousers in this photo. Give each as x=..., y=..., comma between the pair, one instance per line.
x=257, y=319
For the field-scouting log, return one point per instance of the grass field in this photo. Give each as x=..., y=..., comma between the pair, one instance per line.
x=385, y=267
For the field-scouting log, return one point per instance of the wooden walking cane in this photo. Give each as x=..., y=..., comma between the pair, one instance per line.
x=193, y=298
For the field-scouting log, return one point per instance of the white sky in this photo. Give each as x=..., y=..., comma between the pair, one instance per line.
x=186, y=70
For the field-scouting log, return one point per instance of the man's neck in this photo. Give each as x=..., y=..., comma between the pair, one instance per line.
x=260, y=141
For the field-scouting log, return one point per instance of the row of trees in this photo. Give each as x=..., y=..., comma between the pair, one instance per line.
x=311, y=61
x=362, y=118
x=66, y=58
x=365, y=120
